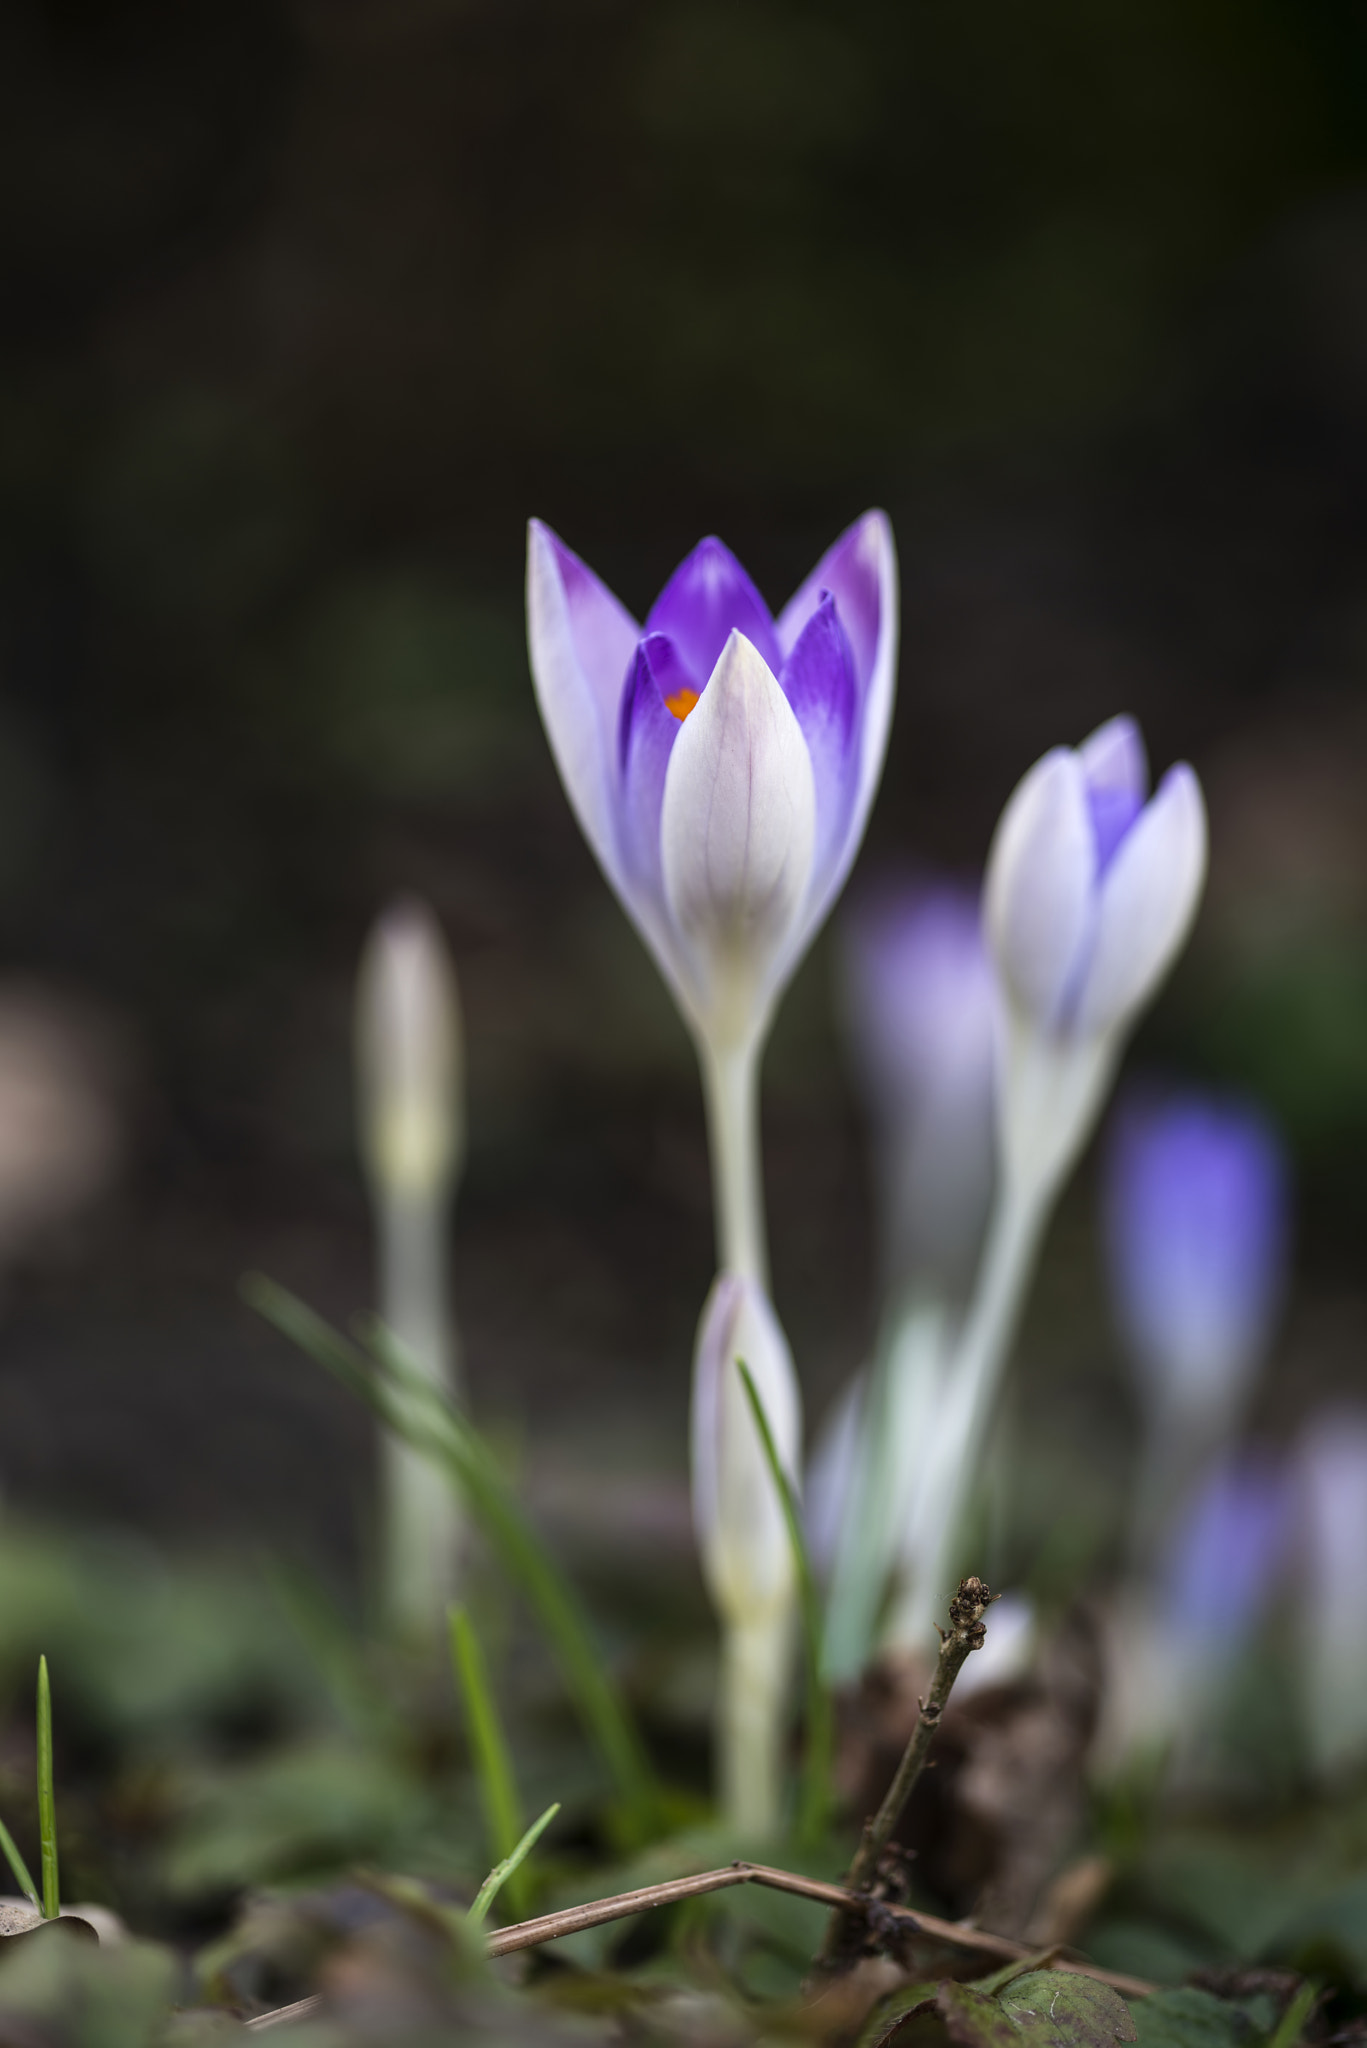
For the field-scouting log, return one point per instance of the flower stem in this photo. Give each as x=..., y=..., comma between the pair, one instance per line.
x=1017, y=1223
x=756, y=1654
x=731, y=1092
x=422, y=1514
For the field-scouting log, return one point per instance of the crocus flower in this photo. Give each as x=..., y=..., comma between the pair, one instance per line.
x=1331, y=1473
x=721, y=762
x=1090, y=893
x=1196, y=1213
x=409, y=1068
x=742, y=1534
x=921, y=1009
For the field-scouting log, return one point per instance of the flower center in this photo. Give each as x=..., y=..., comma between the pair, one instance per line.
x=682, y=702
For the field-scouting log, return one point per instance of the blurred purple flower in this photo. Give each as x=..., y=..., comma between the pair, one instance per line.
x=1225, y=1557
x=720, y=762
x=921, y=1007
x=1196, y=1223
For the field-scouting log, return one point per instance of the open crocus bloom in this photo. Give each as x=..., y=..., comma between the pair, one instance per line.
x=1090, y=893
x=720, y=762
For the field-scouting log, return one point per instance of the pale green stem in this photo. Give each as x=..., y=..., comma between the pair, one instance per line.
x=1019, y=1216
x=422, y=1518
x=731, y=1092
x=756, y=1648
x=751, y=1717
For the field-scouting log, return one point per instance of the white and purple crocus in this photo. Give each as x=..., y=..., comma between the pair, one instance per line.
x=1092, y=886
x=722, y=763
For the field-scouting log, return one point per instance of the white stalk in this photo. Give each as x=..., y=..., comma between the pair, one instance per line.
x=756, y=1658
x=1019, y=1215
x=756, y=1651
x=421, y=1515
x=730, y=1078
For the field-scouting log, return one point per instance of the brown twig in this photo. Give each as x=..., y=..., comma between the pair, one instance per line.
x=598, y=1912
x=840, y=1948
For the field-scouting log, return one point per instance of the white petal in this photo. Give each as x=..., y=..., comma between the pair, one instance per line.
x=874, y=553
x=1039, y=892
x=1114, y=757
x=580, y=640
x=1147, y=901
x=742, y=1534
x=738, y=826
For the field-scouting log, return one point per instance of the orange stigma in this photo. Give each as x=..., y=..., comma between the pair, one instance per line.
x=681, y=703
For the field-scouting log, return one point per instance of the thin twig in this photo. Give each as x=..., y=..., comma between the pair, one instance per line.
x=598, y=1912
x=839, y=1950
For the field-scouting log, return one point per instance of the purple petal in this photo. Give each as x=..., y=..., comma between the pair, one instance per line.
x=647, y=729
x=819, y=682
x=848, y=572
x=1117, y=775
x=580, y=640
x=708, y=597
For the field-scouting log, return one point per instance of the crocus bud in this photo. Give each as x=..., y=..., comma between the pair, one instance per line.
x=412, y=1126
x=1196, y=1212
x=743, y=1537
x=921, y=1008
x=409, y=1054
x=1331, y=1489
x=1090, y=893
x=721, y=762
x=742, y=1534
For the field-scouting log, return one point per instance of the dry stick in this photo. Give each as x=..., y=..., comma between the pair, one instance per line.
x=839, y=1951
x=597, y=1912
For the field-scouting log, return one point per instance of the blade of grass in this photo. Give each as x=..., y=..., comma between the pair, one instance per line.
x=819, y=1749
x=406, y=1401
x=488, y=1752
x=501, y=1872
x=1294, y=2018
x=47, y=1803
x=23, y=1876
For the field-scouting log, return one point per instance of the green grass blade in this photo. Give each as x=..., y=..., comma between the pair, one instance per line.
x=1294, y=2018
x=819, y=1748
x=510, y=1865
x=47, y=1803
x=23, y=1876
x=405, y=1400
x=488, y=1751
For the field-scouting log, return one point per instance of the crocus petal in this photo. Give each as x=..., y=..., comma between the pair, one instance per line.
x=737, y=830
x=1040, y=874
x=580, y=641
x=742, y=1535
x=708, y=598
x=647, y=731
x=1147, y=901
x=1116, y=771
x=860, y=572
x=819, y=682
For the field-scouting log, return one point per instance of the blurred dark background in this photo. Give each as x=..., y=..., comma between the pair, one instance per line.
x=305, y=308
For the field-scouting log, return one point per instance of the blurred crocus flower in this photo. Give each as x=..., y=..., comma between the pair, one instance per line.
x=1091, y=891
x=1178, y=1637
x=1331, y=1476
x=742, y=1535
x=1197, y=1223
x=409, y=1066
x=921, y=1005
x=721, y=762
x=1089, y=895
